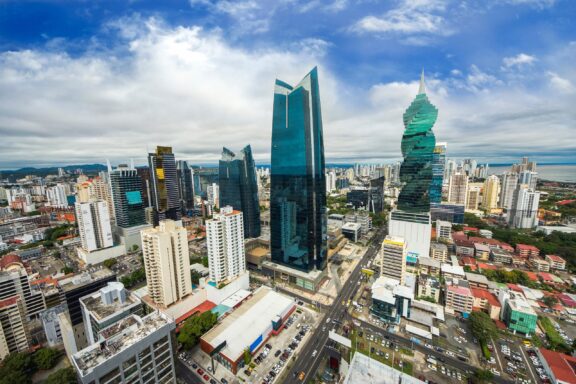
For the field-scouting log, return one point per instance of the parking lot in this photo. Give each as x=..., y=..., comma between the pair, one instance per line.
x=268, y=362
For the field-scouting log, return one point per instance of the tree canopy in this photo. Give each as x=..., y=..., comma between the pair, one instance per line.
x=195, y=327
x=62, y=376
x=482, y=326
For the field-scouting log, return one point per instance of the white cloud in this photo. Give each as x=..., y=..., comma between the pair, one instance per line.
x=196, y=91
x=411, y=17
x=533, y=3
x=249, y=15
x=519, y=60
x=560, y=84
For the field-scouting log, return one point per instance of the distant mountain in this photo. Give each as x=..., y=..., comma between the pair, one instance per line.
x=88, y=169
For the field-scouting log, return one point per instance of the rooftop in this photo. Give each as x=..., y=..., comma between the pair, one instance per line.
x=521, y=305
x=244, y=325
x=100, y=311
x=463, y=291
x=426, y=261
x=476, y=278
x=452, y=269
x=555, y=258
x=485, y=295
x=526, y=247
x=84, y=278
x=363, y=369
x=118, y=337
x=562, y=366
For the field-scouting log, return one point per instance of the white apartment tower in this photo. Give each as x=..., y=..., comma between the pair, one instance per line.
x=509, y=184
x=94, y=225
x=225, y=240
x=524, y=211
x=167, y=262
x=457, y=188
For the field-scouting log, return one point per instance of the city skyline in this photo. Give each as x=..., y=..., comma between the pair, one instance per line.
x=143, y=74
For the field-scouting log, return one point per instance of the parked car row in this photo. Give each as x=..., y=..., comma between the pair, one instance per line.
x=283, y=355
x=204, y=375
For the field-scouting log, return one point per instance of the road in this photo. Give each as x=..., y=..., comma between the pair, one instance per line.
x=309, y=365
x=305, y=362
x=185, y=374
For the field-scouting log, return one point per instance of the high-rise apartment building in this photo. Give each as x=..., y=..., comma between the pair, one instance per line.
x=457, y=188
x=225, y=242
x=185, y=186
x=164, y=184
x=213, y=195
x=14, y=282
x=57, y=196
x=167, y=262
x=524, y=211
x=94, y=225
x=411, y=218
x=490, y=194
x=393, y=253
x=509, y=184
x=529, y=178
x=473, y=193
x=14, y=335
x=438, y=169
x=239, y=188
x=298, y=223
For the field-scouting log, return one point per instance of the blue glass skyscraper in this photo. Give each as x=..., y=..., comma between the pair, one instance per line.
x=239, y=189
x=298, y=232
x=438, y=166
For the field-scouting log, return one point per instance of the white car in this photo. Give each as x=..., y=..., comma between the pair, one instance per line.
x=314, y=353
x=495, y=372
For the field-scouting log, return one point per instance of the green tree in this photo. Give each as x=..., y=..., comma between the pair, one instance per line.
x=205, y=261
x=194, y=327
x=66, y=270
x=482, y=326
x=62, y=376
x=195, y=276
x=135, y=248
x=550, y=301
x=247, y=356
x=482, y=376
x=46, y=358
x=17, y=368
x=109, y=263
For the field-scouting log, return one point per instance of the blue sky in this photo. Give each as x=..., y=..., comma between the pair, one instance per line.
x=83, y=81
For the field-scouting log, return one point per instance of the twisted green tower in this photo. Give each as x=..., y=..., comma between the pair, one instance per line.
x=418, y=144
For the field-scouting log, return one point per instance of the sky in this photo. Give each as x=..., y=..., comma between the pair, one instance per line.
x=84, y=81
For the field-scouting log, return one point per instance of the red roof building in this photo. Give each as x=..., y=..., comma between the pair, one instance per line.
x=565, y=202
x=527, y=251
x=487, y=302
x=482, y=266
x=560, y=367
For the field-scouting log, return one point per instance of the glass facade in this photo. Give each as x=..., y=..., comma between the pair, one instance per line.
x=438, y=166
x=164, y=185
x=298, y=235
x=185, y=186
x=418, y=145
x=127, y=195
x=239, y=189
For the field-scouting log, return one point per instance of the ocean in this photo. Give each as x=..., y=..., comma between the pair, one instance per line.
x=563, y=172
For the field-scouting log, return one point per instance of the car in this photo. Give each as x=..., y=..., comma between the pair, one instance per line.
x=247, y=372
x=200, y=371
x=206, y=377
x=432, y=367
x=314, y=353
x=278, y=352
x=223, y=381
x=194, y=365
x=212, y=381
x=328, y=321
x=387, y=355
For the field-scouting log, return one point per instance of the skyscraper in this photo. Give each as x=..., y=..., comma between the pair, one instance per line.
x=491, y=189
x=185, y=186
x=457, y=188
x=393, y=253
x=438, y=166
x=225, y=241
x=524, y=211
x=167, y=262
x=239, y=188
x=164, y=184
x=94, y=225
x=411, y=218
x=509, y=184
x=127, y=196
x=298, y=183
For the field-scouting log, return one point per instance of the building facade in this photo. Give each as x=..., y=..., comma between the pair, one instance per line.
x=239, y=189
x=225, y=242
x=298, y=223
x=127, y=196
x=185, y=176
x=164, y=184
x=94, y=225
x=393, y=263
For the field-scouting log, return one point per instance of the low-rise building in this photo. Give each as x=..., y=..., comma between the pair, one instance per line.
x=390, y=299
x=501, y=256
x=477, y=280
x=559, y=367
x=429, y=286
x=439, y=251
x=452, y=271
x=134, y=350
x=556, y=262
x=526, y=251
x=487, y=302
x=464, y=247
x=247, y=327
x=517, y=314
x=443, y=230
x=429, y=266
x=538, y=264
x=459, y=299
x=352, y=231
x=481, y=251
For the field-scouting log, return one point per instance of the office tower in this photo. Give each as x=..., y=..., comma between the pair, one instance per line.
x=457, y=188
x=94, y=225
x=14, y=335
x=411, y=218
x=144, y=173
x=167, y=262
x=473, y=196
x=203, y=178
x=298, y=233
x=14, y=282
x=134, y=350
x=491, y=190
x=106, y=307
x=524, y=211
x=56, y=196
x=509, y=184
x=164, y=184
x=376, y=195
x=185, y=186
x=238, y=187
x=127, y=195
x=225, y=241
x=438, y=169
x=393, y=258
